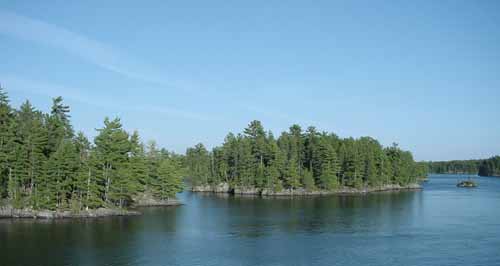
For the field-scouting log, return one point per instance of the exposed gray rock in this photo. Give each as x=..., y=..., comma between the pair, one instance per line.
x=10, y=212
x=219, y=188
x=146, y=199
x=246, y=191
x=225, y=188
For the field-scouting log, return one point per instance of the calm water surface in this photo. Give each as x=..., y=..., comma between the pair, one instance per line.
x=440, y=225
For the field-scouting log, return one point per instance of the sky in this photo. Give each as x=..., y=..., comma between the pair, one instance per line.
x=423, y=74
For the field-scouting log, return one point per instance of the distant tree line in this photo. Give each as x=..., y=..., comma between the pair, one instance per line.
x=300, y=159
x=485, y=167
x=490, y=167
x=45, y=165
x=454, y=167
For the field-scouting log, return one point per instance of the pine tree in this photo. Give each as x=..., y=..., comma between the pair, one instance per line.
x=58, y=124
x=328, y=165
x=169, y=180
x=6, y=141
x=60, y=178
x=87, y=186
x=311, y=143
x=31, y=138
x=257, y=139
x=44, y=166
x=308, y=180
x=198, y=161
x=246, y=164
x=138, y=164
x=112, y=148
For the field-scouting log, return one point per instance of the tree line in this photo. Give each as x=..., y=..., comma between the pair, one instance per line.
x=484, y=167
x=454, y=167
x=490, y=167
x=300, y=159
x=44, y=164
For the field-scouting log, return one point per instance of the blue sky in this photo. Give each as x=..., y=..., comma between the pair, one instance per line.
x=424, y=74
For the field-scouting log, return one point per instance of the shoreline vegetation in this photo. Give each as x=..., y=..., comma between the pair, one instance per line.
x=49, y=171
x=8, y=211
x=300, y=163
x=483, y=167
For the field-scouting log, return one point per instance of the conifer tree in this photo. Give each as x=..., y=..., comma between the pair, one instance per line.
x=328, y=165
x=58, y=125
x=295, y=160
x=6, y=140
x=112, y=148
x=43, y=165
x=138, y=166
x=60, y=177
x=31, y=139
x=169, y=180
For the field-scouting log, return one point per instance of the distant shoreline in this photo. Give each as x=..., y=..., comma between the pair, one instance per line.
x=225, y=188
x=8, y=211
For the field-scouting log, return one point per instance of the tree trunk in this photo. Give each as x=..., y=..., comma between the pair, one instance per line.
x=88, y=190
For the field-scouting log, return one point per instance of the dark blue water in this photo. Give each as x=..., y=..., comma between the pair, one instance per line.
x=440, y=225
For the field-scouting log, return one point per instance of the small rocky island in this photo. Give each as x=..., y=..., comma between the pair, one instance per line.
x=467, y=184
x=300, y=162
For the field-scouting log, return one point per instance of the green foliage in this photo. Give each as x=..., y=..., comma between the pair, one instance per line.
x=169, y=180
x=454, y=167
x=486, y=167
x=198, y=162
x=298, y=159
x=490, y=167
x=44, y=165
x=308, y=180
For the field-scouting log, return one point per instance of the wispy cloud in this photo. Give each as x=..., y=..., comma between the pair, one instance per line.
x=79, y=95
x=90, y=50
x=111, y=59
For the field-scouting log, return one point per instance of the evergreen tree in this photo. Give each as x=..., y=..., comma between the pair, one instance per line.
x=31, y=139
x=112, y=148
x=138, y=164
x=87, y=186
x=6, y=141
x=43, y=165
x=58, y=123
x=198, y=161
x=169, y=180
x=328, y=165
x=296, y=160
x=57, y=186
x=257, y=138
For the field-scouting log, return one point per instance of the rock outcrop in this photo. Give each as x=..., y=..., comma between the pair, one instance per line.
x=145, y=200
x=10, y=212
x=226, y=188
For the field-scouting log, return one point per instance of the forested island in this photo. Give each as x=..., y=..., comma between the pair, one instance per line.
x=300, y=163
x=48, y=170
x=485, y=167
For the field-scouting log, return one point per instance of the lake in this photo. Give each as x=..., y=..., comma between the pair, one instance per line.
x=439, y=225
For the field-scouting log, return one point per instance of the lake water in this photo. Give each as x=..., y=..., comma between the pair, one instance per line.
x=440, y=225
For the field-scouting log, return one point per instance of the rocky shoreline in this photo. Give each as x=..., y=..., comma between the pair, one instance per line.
x=7, y=211
x=10, y=212
x=225, y=188
x=146, y=200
